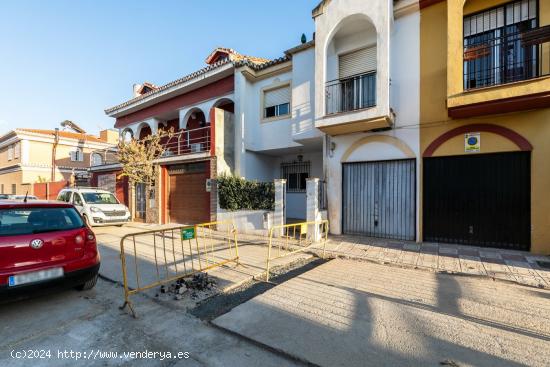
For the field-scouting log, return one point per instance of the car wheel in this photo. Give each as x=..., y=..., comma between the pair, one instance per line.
x=89, y=284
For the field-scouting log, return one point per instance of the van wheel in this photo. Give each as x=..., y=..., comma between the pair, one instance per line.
x=88, y=285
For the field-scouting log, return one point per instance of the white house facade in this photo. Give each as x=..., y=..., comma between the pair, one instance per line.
x=367, y=102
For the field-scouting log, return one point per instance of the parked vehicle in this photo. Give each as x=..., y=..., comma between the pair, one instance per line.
x=17, y=197
x=44, y=244
x=98, y=207
x=22, y=197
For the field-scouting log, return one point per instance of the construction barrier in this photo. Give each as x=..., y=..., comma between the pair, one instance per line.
x=289, y=239
x=165, y=255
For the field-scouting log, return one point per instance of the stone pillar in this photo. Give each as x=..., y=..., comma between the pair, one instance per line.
x=279, y=218
x=312, y=208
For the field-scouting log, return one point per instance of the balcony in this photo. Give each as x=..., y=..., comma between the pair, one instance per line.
x=351, y=94
x=496, y=58
x=183, y=142
x=187, y=142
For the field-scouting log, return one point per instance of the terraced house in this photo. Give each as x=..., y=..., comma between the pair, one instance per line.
x=237, y=115
x=484, y=112
x=423, y=120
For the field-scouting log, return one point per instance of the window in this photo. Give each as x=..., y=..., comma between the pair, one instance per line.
x=277, y=102
x=17, y=150
x=37, y=220
x=77, y=155
x=494, y=47
x=296, y=174
x=97, y=159
x=99, y=198
x=357, y=62
x=10, y=152
x=77, y=200
x=13, y=189
x=64, y=196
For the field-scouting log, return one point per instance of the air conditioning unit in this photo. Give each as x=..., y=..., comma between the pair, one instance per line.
x=196, y=148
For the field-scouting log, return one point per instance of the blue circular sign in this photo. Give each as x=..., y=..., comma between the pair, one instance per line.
x=472, y=140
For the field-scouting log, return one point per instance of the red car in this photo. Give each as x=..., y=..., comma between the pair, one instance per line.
x=45, y=244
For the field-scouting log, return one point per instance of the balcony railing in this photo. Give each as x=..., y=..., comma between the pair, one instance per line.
x=181, y=143
x=350, y=94
x=498, y=57
x=187, y=142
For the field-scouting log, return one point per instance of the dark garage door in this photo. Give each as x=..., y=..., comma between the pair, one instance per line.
x=379, y=199
x=481, y=200
x=188, y=200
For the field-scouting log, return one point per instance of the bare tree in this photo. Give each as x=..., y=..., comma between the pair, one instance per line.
x=137, y=156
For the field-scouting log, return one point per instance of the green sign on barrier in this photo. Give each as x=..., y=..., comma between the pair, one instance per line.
x=188, y=233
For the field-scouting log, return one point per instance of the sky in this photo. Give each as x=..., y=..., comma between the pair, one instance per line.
x=71, y=59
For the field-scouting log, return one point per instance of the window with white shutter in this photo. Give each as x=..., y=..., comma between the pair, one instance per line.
x=10, y=152
x=357, y=62
x=76, y=155
x=17, y=150
x=277, y=102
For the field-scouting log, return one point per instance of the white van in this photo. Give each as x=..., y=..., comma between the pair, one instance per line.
x=98, y=207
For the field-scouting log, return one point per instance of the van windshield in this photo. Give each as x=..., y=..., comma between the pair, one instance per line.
x=21, y=221
x=99, y=198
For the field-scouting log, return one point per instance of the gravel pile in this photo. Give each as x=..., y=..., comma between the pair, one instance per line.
x=200, y=282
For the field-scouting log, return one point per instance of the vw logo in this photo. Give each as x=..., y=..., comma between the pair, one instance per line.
x=36, y=244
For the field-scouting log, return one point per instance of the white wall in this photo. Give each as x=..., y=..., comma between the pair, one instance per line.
x=336, y=14
x=405, y=102
x=303, y=96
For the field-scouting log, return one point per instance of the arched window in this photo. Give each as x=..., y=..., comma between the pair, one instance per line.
x=127, y=135
x=97, y=159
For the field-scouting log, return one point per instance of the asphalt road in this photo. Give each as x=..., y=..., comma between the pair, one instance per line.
x=90, y=325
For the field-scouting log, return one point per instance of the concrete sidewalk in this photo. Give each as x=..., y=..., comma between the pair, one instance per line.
x=353, y=313
x=515, y=266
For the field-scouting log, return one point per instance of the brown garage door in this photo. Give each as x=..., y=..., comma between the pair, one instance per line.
x=188, y=201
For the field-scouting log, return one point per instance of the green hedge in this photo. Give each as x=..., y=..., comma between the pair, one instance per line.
x=236, y=193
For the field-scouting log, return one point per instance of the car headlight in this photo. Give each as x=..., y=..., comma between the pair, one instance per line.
x=95, y=209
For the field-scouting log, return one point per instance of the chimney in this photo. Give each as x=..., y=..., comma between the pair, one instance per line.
x=109, y=135
x=137, y=88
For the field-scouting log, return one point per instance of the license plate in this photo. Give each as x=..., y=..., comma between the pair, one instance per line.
x=35, y=276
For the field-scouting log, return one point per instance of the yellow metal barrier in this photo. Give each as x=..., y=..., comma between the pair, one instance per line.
x=289, y=239
x=165, y=255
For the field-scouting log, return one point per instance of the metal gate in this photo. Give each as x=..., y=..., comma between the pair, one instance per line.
x=141, y=198
x=379, y=199
x=481, y=200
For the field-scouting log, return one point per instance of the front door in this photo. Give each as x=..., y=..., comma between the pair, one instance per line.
x=141, y=198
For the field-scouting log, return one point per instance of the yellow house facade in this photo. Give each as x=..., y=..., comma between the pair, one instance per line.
x=485, y=123
x=27, y=156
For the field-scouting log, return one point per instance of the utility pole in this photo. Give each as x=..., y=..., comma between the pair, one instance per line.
x=54, y=148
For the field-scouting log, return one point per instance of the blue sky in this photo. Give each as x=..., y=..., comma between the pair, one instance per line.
x=70, y=59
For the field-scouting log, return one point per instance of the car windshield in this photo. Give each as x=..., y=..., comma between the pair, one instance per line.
x=20, y=221
x=99, y=198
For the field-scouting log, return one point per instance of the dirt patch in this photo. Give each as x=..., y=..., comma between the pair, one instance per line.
x=221, y=303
